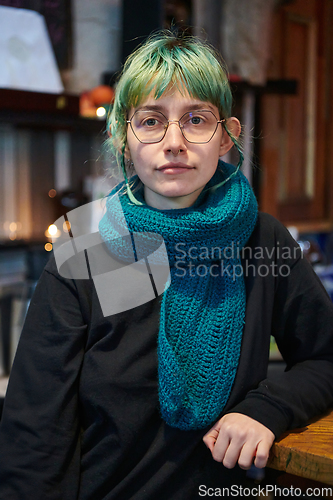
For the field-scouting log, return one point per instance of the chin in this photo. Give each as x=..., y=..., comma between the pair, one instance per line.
x=176, y=191
x=172, y=193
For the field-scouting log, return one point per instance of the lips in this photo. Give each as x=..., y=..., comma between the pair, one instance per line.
x=174, y=167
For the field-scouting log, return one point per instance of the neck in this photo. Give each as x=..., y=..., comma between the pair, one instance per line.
x=160, y=202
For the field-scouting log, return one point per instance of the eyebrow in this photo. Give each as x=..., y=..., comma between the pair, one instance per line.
x=158, y=107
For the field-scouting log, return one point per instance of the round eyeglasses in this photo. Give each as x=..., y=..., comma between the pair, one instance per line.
x=150, y=126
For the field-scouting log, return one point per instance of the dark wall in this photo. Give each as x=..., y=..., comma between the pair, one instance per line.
x=139, y=20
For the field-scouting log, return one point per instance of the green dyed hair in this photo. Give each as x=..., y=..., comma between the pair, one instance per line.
x=166, y=60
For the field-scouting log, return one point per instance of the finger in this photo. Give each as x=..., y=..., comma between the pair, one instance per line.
x=221, y=445
x=232, y=453
x=210, y=438
x=262, y=453
x=248, y=452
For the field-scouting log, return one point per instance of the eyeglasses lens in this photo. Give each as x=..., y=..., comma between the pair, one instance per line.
x=196, y=126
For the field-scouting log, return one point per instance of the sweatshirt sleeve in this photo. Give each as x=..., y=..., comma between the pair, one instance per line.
x=39, y=430
x=302, y=324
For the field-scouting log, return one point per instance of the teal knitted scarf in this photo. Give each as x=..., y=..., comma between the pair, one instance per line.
x=203, y=311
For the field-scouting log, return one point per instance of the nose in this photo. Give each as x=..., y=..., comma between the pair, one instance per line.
x=174, y=141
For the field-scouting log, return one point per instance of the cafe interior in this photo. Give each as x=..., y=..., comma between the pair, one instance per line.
x=59, y=64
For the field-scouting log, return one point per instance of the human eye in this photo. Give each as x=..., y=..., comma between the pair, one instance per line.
x=195, y=118
x=150, y=122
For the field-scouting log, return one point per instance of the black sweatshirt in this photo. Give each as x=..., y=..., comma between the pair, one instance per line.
x=81, y=417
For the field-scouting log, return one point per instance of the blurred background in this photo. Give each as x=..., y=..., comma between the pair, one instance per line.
x=59, y=61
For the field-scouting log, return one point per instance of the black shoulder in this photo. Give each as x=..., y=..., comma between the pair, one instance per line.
x=51, y=266
x=269, y=231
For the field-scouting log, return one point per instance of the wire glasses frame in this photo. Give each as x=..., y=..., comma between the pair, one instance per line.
x=167, y=122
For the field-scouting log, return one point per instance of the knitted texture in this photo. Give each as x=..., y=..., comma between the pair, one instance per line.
x=203, y=311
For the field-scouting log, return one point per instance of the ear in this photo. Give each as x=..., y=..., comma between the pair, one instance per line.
x=234, y=128
x=127, y=152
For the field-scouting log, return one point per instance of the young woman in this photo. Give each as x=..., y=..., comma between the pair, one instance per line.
x=171, y=397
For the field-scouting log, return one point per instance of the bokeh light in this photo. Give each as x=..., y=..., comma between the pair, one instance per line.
x=52, y=229
x=52, y=193
x=66, y=226
x=100, y=112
